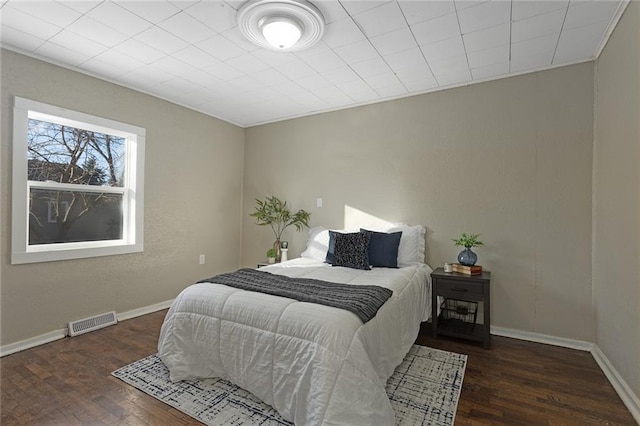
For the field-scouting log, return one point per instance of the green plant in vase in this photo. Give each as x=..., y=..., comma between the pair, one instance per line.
x=275, y=213
x=467, y=257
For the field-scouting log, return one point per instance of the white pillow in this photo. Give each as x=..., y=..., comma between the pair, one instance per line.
x=317, y=244
x=412, y=245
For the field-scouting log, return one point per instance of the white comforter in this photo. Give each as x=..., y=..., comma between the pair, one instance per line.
x=316, y=365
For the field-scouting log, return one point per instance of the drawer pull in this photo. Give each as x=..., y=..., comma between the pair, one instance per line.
x=460, y=290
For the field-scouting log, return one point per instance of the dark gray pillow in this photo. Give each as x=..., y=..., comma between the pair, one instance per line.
x=332, y=247
x=352, y=250
x=383, y=248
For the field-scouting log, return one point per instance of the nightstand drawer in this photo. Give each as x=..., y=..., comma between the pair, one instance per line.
x=453, y=288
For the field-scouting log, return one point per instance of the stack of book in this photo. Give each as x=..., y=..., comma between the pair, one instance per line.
x=467, y=270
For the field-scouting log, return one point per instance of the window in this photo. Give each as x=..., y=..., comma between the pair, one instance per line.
x=77, y=184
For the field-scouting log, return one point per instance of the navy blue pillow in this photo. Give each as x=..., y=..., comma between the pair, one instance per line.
x=352, y=250
x=383, y=248
x=332, y=247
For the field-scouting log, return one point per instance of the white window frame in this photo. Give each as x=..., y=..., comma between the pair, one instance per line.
x=132, y=191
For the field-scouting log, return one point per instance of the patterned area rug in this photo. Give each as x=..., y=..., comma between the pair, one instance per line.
x=424, y=389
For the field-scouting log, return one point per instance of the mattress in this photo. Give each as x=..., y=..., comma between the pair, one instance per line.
x=316, y=365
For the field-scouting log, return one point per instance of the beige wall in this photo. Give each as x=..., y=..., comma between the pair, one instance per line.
x=510, y=159
x=616, y=265
x=193, y=182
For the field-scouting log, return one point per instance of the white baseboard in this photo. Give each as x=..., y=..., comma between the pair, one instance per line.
x=144, y=311
x=619, y=384
x=542, y=338
x=62, y=333
x=33, y=342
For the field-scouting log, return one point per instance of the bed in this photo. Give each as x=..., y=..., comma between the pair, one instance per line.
x=315, y=364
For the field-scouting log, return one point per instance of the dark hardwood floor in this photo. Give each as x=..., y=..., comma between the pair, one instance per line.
x=524, y=383
x=68, y=382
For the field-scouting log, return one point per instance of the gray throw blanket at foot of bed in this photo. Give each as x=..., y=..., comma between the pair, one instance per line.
x=362, y=300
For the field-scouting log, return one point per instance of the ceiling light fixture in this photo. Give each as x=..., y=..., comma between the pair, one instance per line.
x=281, y=24
x=281, y=32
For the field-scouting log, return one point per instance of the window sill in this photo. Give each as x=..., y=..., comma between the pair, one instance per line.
x=18, y=258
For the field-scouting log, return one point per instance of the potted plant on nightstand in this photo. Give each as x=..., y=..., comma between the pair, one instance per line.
x=271, y=255
x=467, y=257
x=275, y=213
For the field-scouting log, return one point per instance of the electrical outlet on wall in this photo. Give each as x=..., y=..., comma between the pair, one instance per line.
x=202, y=259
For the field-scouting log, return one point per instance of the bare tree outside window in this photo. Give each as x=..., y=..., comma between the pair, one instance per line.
x=68, y=157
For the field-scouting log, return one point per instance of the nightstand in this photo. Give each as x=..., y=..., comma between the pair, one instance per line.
x=462, y=295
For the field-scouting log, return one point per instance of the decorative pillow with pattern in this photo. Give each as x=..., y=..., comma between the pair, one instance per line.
x=352, y=250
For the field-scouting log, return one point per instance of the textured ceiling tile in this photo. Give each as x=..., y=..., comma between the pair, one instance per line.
x=219, y=47
x=161, y=40
x=117, y=17
x=341, y=75
x=484, y=15
x=324, y=61
x=78, y=43
x=538, y=26
x=248, y=64
x=370, y=67
x=420, y=11
x=436, y=29
x=224, y=72
x=445, y=50
x=140, y=51
x=19, y=39
x=395, y=41
x=97, y=31
x=80, y=6
x=487, y=38
x=196, y=57
x=295, y=69
x=331, y=10
x=494, y=55
x=489, y=71
x=579, y=43
x=217, y=15
x=407, y=58
x=157, y=46
x=585, y=13
x=54, y=13
x=153, y=12
x=187, y=28
x=62, y=54
x=357, y=52
x=522, y=9
x=542, y=47
x=29, y=24
x=381, y=20
x=354, y=7
x=341, y=33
